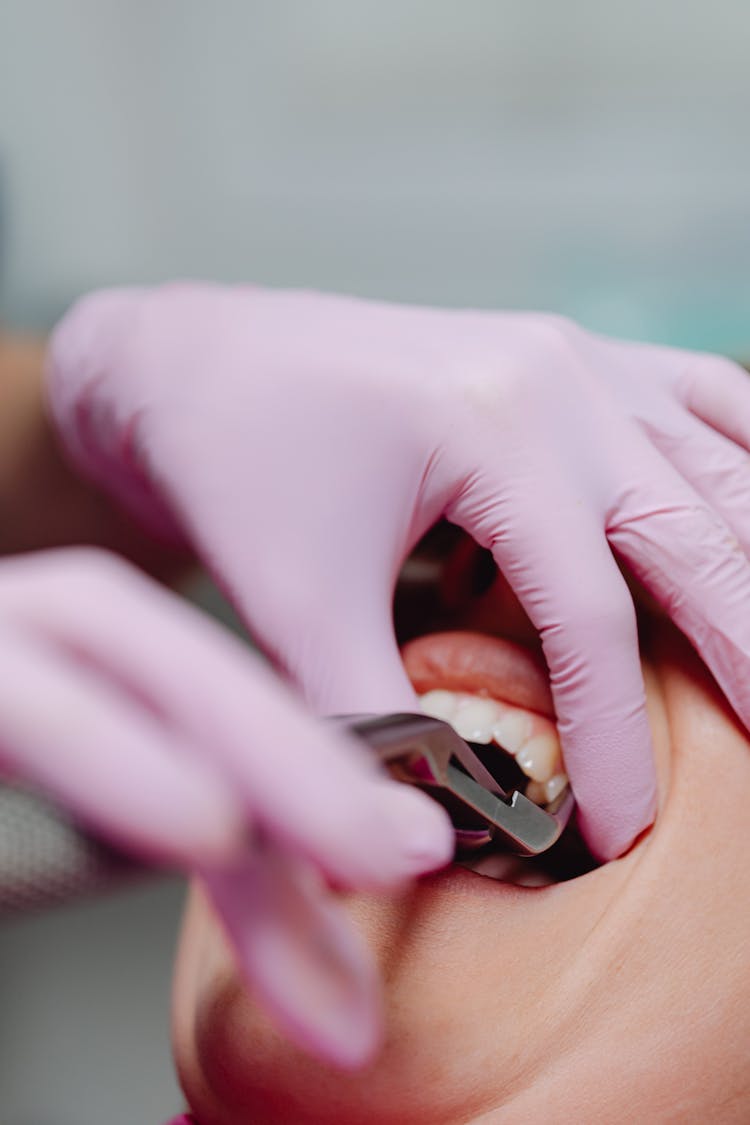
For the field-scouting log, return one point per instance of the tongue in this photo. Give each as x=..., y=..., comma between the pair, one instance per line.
x=474, y=663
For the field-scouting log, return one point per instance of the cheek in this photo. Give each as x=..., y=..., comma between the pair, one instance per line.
x=247, y=1069
x=235, y=1067
x=468, y=988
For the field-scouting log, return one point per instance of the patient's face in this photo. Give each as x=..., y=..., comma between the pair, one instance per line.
x=619, y=994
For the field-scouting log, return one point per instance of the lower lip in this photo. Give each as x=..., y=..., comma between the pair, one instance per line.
x=464, y=879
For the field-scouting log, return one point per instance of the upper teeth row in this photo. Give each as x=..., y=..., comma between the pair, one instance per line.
x=530, y=738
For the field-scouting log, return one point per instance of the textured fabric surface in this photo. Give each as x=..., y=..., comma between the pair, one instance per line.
x=45, y=859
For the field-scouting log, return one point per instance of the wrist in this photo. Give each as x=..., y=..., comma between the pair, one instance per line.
x=43, y=501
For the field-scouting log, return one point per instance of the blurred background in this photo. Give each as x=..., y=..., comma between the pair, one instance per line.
x=584, y=157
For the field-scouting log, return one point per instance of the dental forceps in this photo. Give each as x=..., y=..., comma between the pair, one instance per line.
x=46, y=858
x=428, y=753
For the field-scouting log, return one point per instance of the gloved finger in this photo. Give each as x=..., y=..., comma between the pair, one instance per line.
x=307, y=783
x=687, y=557
x=91, y=341
x=341, y=649
x=717, y=390
x=569, y=584
x=72, y=732
x=301, y=954
x=717, y=468
x=320, y=604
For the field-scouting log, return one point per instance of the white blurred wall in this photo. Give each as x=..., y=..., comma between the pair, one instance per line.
x=586, y=156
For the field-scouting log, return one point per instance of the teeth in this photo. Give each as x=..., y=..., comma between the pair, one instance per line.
x=554, y=787
x=513, y=730
x=531, y=739
x=476, y=718
x=470, y=715
x=440, y=704
x=535, y=791
x=540, y=757
x=545, y=792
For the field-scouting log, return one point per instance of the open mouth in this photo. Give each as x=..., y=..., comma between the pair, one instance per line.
x=495, y=693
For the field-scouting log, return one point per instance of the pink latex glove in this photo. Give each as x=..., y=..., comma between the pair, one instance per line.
x=303, y=443
x=168, y=735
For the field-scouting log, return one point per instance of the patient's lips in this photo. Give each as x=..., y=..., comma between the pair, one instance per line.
x=481, y=665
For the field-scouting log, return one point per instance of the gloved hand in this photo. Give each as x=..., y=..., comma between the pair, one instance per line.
x=303, y=443
x=165, y=733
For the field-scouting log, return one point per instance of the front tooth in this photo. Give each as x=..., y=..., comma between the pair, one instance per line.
x=512, y=729
x=440, y=704
x=535, y=791
x=554, y=787
x=475, y=719
x=539, y=758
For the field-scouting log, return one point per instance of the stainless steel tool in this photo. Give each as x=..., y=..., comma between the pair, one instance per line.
x=428, y=753
x=46, y=858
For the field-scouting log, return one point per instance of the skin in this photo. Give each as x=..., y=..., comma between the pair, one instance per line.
x=619, y=996
x=43, y=503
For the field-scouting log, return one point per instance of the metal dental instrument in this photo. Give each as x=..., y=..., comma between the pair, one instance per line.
x=46, y=858
x=428, y=753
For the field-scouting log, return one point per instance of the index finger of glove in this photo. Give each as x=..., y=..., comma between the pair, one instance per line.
x=563, y=572
x=67, y=730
